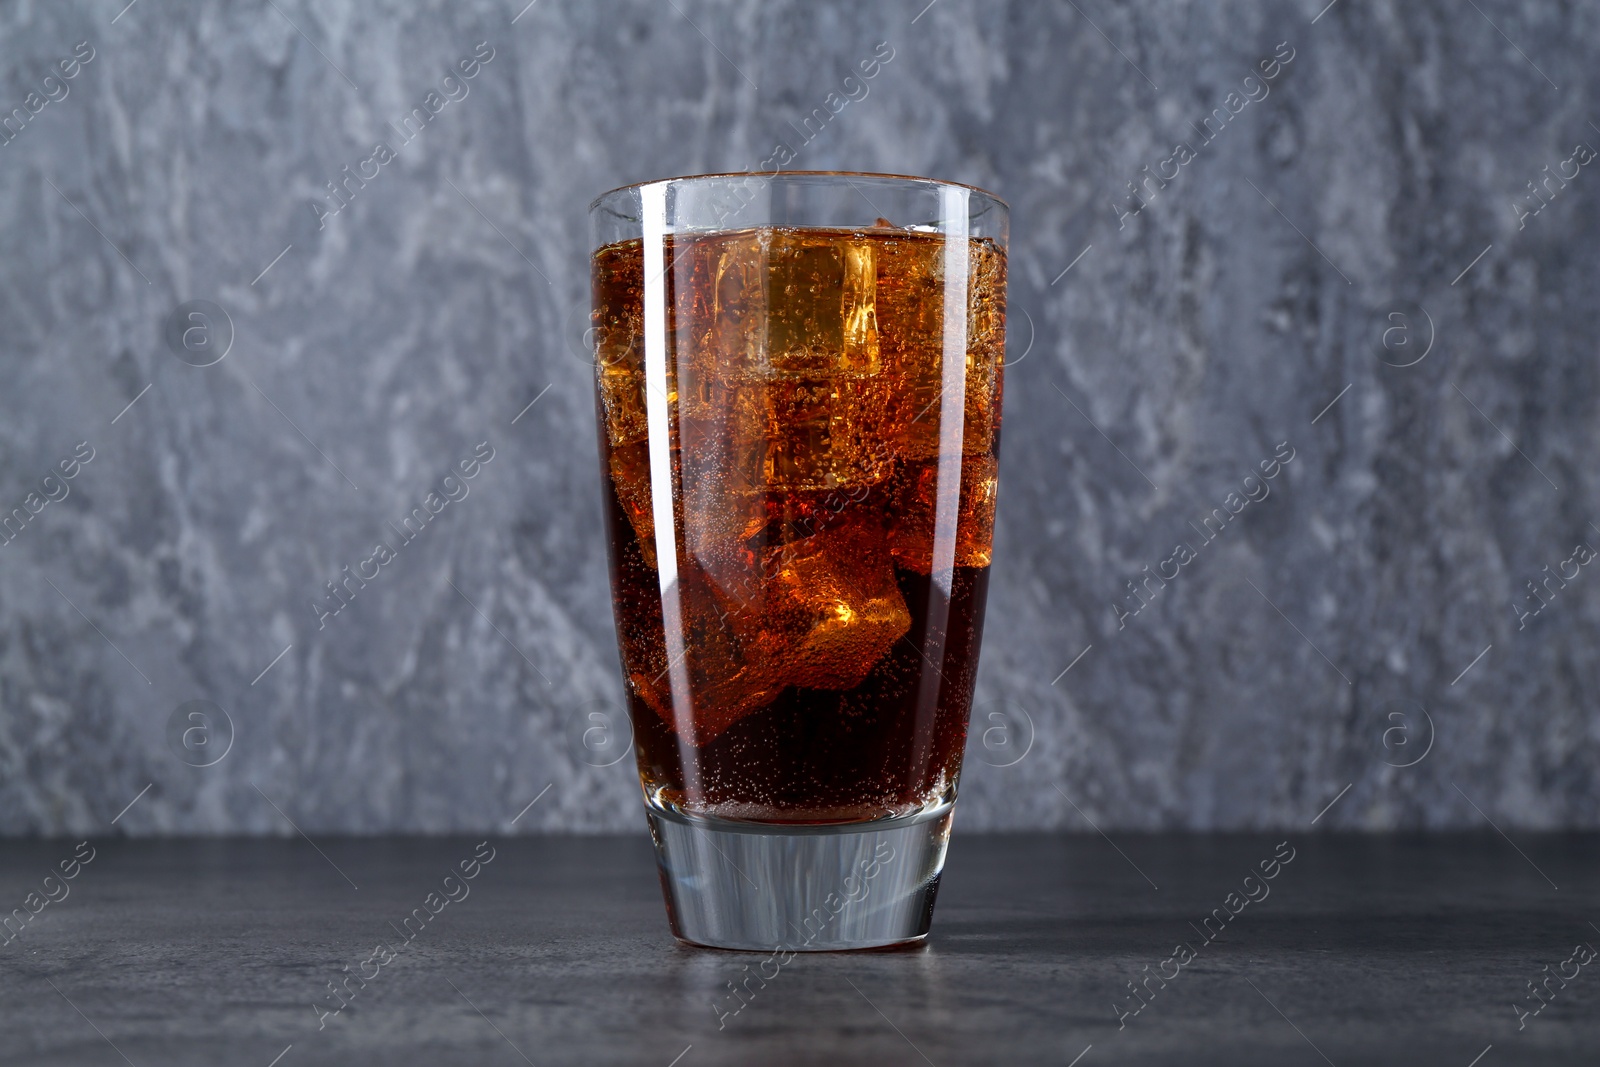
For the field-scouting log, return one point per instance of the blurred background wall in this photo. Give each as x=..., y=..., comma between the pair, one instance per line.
x=1347, y=266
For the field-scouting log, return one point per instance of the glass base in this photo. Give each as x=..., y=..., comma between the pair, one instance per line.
x=800, y=888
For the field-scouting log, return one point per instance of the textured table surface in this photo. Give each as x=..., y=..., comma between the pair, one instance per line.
x=1365, y=950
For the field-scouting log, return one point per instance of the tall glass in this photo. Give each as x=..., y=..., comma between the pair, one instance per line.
x=798, y=381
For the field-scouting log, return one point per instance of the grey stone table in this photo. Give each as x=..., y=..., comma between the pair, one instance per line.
x=1361, y=950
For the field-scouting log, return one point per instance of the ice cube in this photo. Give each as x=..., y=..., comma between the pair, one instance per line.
x=860, y=352
x=630, y=476
x=736, y=315
x=728, y=676
x=783, y=302
x=618, y=285
x=911, y=531
x=986, y=320
x=910, y=311
x=622, y=399
x=831, y=608
x=797, y=434
x=721, y=487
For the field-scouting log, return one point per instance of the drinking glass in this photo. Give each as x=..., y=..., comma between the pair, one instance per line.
x=798, y=381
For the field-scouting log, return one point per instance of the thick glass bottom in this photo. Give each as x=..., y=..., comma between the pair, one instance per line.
x=800, y=888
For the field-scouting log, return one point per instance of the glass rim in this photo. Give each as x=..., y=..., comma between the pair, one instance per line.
x=801, y=173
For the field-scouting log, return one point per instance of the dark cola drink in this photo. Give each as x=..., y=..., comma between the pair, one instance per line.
x=800, y=645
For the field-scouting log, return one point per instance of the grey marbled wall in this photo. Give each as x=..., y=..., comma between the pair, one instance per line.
x=1354, y=212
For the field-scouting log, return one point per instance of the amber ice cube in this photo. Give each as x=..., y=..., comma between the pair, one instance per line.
x=777, y=336
x=728, y=673
x=820, y=613
x=618, y=333
x=783, y=302
x=911, y=532
x=911, y=327
x=832, y=608
x=630, y=477
x=815, y=433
